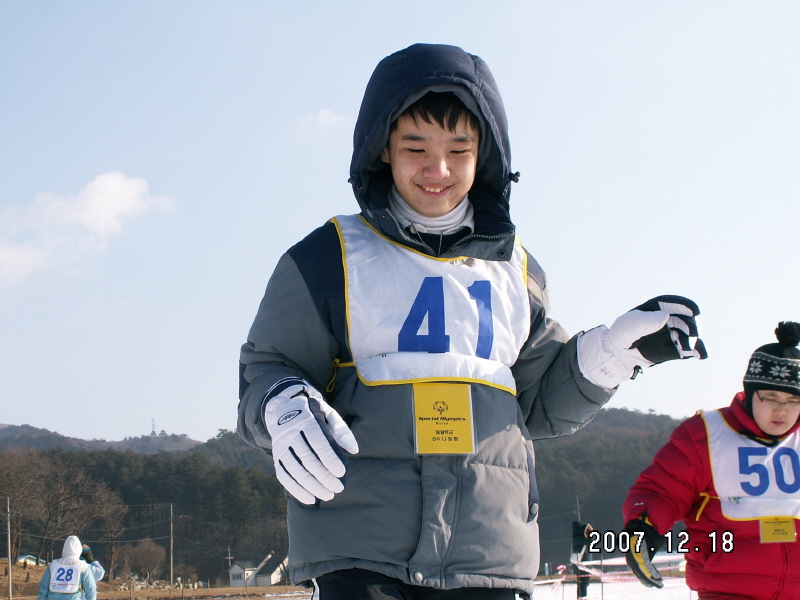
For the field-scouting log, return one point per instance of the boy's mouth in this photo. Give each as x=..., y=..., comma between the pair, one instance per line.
x=433, y=190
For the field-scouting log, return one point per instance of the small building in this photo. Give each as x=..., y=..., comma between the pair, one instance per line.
x=270, y=571
x=29, y=559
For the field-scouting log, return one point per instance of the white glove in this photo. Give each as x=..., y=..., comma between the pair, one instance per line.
x=306, y=438
x=659, y=330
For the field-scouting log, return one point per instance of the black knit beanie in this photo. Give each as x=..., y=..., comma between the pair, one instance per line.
x=775, y=366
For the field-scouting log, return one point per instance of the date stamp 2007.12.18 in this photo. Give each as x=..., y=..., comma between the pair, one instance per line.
x=680, y=542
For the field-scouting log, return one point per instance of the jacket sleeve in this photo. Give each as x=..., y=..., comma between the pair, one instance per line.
x=44, y=584
x=672, y=484
x=88, y=584
x=554, y=396
x=97, y=570
x=288, y=339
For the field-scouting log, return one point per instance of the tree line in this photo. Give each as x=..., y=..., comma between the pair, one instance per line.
x=224, y=503
x=125, y=505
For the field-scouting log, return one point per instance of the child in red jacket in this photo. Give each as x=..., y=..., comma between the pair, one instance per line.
x=733, y=476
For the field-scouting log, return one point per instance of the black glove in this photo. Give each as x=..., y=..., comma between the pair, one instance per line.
x=661, y=329
x=87, y=554
x=645, y=542
x=673, y=340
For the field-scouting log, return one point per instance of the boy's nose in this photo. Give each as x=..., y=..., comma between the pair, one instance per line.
x=436, y=168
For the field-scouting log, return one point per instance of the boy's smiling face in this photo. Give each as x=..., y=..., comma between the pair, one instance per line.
x=433, y=168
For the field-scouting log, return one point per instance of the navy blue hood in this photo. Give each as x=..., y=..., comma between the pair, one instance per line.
x=401, y=79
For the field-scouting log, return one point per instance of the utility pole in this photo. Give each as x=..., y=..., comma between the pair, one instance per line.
x=8, y=539
x=170, y=547
x=578, y=501
x=229, y=557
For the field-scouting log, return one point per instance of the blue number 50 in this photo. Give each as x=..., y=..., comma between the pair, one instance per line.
x=745, y=468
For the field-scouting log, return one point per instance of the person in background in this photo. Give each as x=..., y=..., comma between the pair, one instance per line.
x=95, y=568
x=68, y=577
x=416, y=337
x=580, y=542
x=733, y=476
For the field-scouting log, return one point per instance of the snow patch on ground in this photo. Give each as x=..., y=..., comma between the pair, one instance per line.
x=674, y=589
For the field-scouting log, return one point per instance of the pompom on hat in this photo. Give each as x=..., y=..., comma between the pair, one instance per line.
x=775, y=366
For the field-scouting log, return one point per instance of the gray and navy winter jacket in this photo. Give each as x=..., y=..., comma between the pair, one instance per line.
x=439, y=520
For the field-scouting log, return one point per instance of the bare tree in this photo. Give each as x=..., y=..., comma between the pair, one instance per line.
x=123, y=560
x=111, y=514
x=65, y=505
x=22, y=477
x=147, y=558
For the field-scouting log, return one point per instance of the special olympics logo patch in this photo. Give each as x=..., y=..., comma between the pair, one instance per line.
x=440, y=407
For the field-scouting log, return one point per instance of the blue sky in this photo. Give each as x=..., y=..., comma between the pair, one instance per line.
x=156, y=158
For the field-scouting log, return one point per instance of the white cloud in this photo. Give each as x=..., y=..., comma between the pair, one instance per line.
x=55, y=232
x=322, y=121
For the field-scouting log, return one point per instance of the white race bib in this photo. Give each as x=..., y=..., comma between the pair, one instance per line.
x=415, y=318
x=65, y=579
x=753, y=481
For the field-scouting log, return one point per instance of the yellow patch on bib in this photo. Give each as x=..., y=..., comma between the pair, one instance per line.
x=443, y=418
x=777, y=530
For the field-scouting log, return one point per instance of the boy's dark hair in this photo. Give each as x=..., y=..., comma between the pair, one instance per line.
x=443, y=108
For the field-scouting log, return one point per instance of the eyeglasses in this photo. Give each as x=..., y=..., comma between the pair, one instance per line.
x=776, y=404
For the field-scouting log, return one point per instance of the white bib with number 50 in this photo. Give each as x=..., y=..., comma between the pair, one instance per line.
x=752, y=480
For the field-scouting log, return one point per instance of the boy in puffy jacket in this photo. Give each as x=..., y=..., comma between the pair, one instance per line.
x=68, y=577
x=733, y=476
x=403, y=359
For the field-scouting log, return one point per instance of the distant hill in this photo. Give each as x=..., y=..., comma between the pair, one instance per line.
x=26, y=436
x=589, y=472
x=226, y=449
x=229, y=450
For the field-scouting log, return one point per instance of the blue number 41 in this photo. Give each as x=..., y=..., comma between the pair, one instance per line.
x=430, y=302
